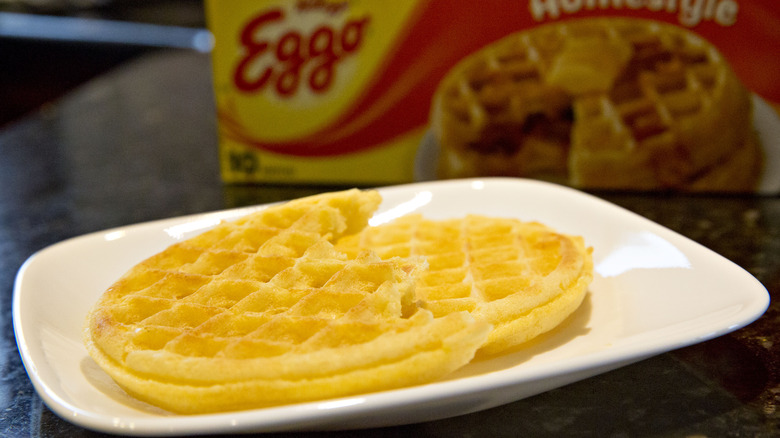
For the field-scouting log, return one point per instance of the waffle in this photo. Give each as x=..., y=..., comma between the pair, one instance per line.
x=265, y=311
x=521, y=277
x=613, y=103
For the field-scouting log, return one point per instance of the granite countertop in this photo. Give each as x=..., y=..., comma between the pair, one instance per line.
x=139, y=143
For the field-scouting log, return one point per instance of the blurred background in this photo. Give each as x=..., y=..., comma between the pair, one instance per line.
x=40, y=38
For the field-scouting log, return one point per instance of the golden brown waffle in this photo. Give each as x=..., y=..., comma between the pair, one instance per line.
x=523, y=278
x=599, y=103
x=264, y=311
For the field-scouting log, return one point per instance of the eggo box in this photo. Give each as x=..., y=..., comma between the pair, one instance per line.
x=645, y=95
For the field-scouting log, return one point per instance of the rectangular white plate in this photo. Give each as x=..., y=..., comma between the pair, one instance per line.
x=654, y=291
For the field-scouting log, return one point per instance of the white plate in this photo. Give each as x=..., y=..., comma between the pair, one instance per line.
x=654, y=291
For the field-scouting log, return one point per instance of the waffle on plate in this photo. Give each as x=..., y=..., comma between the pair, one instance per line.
x=302, y=301
x=521, y=277
x=264, y=311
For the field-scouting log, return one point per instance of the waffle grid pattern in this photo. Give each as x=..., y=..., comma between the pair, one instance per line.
x=283, y=318
x=598, y=102
x=521, y=277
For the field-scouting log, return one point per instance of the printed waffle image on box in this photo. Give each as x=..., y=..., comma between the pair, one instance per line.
x=599, y=103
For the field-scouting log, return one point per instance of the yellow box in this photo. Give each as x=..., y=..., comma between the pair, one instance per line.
x=371, y=92
x=297, y=93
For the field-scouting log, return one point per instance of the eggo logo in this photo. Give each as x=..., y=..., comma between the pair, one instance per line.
x=294, y=58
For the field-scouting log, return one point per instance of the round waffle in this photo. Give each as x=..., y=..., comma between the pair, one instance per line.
x=264, y=311
x=521, y=277
x=613, y=103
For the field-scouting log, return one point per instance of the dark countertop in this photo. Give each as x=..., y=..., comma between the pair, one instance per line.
x=139, y=143
x=40, y=60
